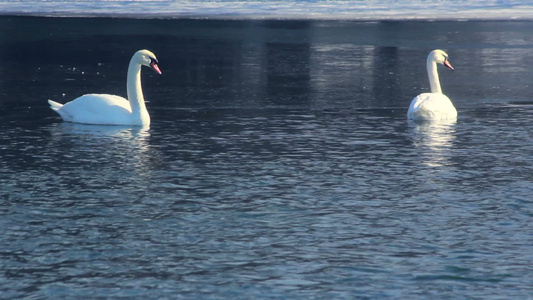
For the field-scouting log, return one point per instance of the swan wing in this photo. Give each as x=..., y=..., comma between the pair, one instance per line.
x=95, y=109
x=431, y=106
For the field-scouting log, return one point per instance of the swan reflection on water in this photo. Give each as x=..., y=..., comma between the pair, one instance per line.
x=434, y=140
x=90, y=144
x=75, y=129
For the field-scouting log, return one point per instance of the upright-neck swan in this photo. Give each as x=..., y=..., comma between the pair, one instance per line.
x=434, y=105
x=107, y=109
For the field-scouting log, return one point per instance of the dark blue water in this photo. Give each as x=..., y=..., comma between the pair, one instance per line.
x=279, y=163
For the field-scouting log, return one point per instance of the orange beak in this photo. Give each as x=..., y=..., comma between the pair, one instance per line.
x=447, y=64
x=154, y=66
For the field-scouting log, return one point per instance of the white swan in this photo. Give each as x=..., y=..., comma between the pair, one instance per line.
x=434, y=105
x=104, y=109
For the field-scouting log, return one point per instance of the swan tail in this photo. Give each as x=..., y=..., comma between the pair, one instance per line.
x=57, y=108
x=54, y=105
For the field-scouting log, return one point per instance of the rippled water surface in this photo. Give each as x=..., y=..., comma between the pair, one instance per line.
x=279, y=163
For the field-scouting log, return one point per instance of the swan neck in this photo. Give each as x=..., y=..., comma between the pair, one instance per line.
x=135, y=93
x=433, y=76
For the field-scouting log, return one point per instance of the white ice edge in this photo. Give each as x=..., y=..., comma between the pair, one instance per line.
x=270, y=9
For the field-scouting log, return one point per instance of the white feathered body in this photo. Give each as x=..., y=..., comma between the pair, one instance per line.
x=435, y=105
x=100, y=109
x=431, y=106
x=105, y=109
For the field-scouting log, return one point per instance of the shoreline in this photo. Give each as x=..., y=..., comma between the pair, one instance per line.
x=235, y=17
x=272, y=17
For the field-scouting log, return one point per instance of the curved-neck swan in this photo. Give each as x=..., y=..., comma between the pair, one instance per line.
x=434, y=105
x=104, y=109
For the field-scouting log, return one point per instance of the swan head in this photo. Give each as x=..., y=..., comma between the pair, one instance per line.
x=146, y=58
x=440, y=57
